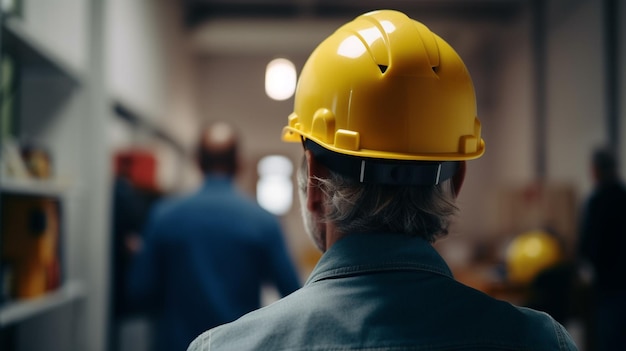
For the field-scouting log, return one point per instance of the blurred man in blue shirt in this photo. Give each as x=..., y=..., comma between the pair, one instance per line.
x=206, y=256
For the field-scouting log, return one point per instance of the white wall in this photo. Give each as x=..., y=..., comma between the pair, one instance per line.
x=136, y=55
x=575, y=93
x=62, y=26
x=150, y=70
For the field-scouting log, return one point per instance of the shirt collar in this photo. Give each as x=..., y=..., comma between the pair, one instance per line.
x=375, y=252
x=217, y=180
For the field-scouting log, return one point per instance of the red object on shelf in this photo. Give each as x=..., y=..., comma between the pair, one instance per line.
x=138, y=166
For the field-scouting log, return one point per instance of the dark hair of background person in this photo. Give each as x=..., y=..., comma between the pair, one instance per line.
x=217, y=149
x=604, y=165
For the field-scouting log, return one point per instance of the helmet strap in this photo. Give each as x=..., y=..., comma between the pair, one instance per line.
x=383, y=171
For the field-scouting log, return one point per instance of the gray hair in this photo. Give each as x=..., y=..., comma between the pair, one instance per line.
x=423, y=211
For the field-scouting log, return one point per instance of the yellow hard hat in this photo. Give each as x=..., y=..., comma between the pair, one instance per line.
x=384, y=87
x=529, y=254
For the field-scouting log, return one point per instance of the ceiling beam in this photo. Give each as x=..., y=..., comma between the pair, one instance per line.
x=199, y=11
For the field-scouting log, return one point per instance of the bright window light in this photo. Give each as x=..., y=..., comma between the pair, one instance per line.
x=274, y=190
x=280, y=79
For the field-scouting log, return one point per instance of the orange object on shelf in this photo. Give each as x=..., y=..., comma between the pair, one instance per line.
x=30, y=238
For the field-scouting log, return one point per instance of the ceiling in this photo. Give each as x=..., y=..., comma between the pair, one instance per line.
x=198, y=11
x=293, y=27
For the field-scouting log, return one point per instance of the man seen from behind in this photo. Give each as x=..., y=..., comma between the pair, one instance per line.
x=386, y=112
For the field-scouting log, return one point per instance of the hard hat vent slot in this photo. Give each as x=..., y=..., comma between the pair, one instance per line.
x=383, y=68
x=436, y=69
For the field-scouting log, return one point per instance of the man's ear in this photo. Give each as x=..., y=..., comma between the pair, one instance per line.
x=315, y=196
x=458, y=178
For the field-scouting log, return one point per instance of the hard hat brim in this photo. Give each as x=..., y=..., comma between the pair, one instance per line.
x=294, y=135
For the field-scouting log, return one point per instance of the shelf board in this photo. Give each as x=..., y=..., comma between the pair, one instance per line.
x=33, y=53
x=33, y=187
x=17, y=311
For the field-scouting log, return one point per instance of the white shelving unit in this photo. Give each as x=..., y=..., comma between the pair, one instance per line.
x=17, y=311
x=61, y=107
x=35, y=52
x=53, y=188
x=35, y=59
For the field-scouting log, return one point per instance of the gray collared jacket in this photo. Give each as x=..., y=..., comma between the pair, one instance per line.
x=381, y=291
